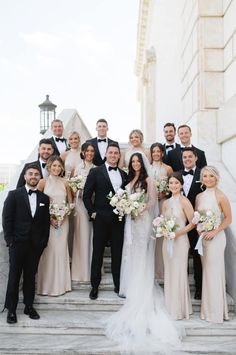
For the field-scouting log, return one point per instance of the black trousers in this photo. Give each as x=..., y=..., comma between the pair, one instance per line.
x=197, y=264
x=103, y=229
x=23, y=258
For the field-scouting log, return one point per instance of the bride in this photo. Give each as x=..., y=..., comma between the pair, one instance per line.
x=142, y=323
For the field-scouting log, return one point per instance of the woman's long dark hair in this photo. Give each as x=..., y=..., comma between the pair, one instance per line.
x=141, y=181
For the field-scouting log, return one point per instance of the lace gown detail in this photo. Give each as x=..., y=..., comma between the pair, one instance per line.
x=83, y=234
x=142, y=323
x=176, y=286
x=214, y=306
x=54, y=267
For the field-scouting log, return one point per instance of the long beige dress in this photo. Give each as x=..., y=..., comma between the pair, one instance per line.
x=176, y=286
x=159, y=172
x=214, y=306
x=54, y=268
x=82, y=242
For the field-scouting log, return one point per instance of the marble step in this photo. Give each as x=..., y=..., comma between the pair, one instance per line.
x=107, y=301
x=93, y=323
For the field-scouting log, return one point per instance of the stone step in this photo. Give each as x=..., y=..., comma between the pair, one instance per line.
x=64, y=322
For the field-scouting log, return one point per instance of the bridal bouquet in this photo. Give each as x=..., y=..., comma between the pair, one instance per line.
x=137, y=203
x=76, y=183
x=59, y=211
x=165, y=227
x=162, y=185
x=121, y=203
x=205, y=221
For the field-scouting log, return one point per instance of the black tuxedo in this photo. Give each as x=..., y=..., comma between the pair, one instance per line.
x=165, y=156
x=56, y=151
x=174, y=158
x=26, y=237
x=194, y=190
x=106, y=224
x=97, y=158
x=21, y=180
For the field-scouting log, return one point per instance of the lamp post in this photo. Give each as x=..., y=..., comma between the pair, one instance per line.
x=47, y=114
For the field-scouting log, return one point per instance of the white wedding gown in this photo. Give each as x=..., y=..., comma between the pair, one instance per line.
x=142, y=324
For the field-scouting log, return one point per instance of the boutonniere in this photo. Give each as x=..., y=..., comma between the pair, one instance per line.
x=41, y=204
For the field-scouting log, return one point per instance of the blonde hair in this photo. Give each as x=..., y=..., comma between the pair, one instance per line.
x=212, y=170
x=74, y=133
x=138, y=132
x=51, y=161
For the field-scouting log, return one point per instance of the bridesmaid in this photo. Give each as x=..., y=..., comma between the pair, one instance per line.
x=71, y=158
x=82, y=243
x=214, y=302
x=54, y=268
x=136, y=145
x=176, y=286
x=160, y=170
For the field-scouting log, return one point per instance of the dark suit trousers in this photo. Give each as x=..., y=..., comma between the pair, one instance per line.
x=197, y=265
x=23, y=257
x=103, y=229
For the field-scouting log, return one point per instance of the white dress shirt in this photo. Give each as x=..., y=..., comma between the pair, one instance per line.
x=115, y=177
x=44, y=170
x=188, y=179
x=102, y=147
x=61, y=146
x=32, y=200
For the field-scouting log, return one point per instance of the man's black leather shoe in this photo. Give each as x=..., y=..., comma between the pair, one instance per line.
x=198, y=295
x=93, y=293
x=11, y=317
x=31, y=312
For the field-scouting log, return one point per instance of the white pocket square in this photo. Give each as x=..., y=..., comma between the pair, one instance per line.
x=41, y=204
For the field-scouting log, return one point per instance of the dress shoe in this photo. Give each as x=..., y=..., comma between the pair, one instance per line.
x=31, y=312
x=93, y=293
x=198, y=295
x=11, y=317
x=116, y=290
x=121, y=296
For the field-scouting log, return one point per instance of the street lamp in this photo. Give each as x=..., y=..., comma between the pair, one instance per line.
x=47, y=114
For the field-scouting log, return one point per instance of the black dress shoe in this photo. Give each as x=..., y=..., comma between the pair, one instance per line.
x=31, y=312
x=121, y=296
x=11, y=317
x=198, y=295
x=93, y=293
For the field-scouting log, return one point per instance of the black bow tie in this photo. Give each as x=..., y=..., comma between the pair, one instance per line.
x=60, y=139
x=191, y=172
x=102, y=140
x=43, y=165
x=30, y=192
x=112, y=168
x=170, y=146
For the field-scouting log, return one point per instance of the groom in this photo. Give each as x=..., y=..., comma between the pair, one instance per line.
x=100, y=182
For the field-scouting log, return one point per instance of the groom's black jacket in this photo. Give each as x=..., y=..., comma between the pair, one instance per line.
x=99, y=184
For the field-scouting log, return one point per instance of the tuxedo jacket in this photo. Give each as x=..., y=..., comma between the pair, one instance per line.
x=18, y=223
x=97, y=187
x=97, y=158
x=174, y=158
x=195, y=188
x=56, y=151
x=165, y=156
x=21, y=180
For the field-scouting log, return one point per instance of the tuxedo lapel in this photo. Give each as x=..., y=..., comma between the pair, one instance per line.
x=196, y=177
x=105, y=173
x=26, y=199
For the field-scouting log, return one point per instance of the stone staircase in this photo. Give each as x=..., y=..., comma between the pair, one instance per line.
x=73, y=324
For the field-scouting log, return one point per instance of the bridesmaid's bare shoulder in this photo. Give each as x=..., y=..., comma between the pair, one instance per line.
x=41, y=184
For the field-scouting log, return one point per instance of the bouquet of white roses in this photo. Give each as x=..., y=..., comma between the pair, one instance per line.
x=205, y=221
x=121, y=203
x=76, y=183
x=137, y=203
x=162, y=184
x=59, y=211
x=165, y=227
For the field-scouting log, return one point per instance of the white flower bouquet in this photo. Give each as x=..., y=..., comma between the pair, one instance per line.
x=121, y=203
x=165, y=227
x=162, y=185
x=76, y=183
x=137, y=203
x=59, y=211
x=205, y=221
